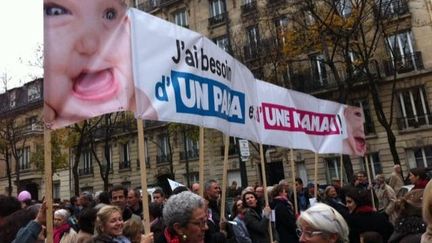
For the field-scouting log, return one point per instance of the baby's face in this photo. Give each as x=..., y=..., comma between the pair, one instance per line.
x=87, y=59
x=354, y=118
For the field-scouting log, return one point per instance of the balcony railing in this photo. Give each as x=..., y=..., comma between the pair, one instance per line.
x=147, y=163
x=393, y=8
x=414, y=121
x=164, y=3
x=217, y=19
x=404, y=64
x=164, y=158
x=190, y=154
x=85, y=171
x=251, y=52
x=124, y=165
x=249, y=8
x=272, y=3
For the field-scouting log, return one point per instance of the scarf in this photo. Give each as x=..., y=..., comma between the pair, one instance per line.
x=364, y=209
x=420, y=184
x=282, y=198
x=59, y=232
x=171, y=238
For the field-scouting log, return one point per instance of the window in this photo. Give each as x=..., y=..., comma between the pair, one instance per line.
x=369, y=127
x=400, y=44
x=32, y=123
x=12, y=99
x=24, y=158
x=414, y=108
x=334, y=169
x=56, y=190
x=344, y=7
x=319, y=73
x=163, y=151
x=223, y=43
x=217, y=7
x=301, y=171
x=109, y=159
x=193, y=177
x=375, y=167
x=309, y=18
x=420, y=157
x=124, y=156
x=190, y=149
x=86, y=163
x=392, y=8
x=180, y=18
x=281, y=25
x=253, y=36
x=33, y=92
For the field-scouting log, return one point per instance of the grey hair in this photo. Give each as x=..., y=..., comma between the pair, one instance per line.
x=179, y=208
x=325, y=218
x=62, y=213
x=208, y=184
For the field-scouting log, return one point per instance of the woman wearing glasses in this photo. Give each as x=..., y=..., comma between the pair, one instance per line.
x=322, y=224
x=185, y=218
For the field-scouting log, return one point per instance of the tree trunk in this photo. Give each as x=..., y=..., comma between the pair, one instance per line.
x=9, y=173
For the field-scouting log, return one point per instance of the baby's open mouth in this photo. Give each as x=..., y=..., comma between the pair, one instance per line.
x=360, y=143
x=95, y=85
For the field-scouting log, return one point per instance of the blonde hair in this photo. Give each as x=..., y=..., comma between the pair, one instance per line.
x=325, y=218
x=103, y=216
x=427, y=204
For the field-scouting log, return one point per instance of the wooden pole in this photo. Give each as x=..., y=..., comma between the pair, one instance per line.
x=294, y=181
x=143, y=170
x=341, y=170
x=48, y=185
x=264, y=179
x=201, y=161
x=369, y=180
x=224, y=175
x=316, y=177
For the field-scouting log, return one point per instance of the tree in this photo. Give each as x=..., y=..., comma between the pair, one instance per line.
x=348, y=37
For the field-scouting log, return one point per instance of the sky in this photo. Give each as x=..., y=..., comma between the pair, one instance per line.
x=21, y=25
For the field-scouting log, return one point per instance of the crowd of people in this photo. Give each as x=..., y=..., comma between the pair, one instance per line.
x=358, y=213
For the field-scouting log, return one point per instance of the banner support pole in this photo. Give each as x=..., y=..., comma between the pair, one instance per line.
x=201, y=161
x=316, y=177
x=48, y=185
x=293, y=180
x=341, y=170
x=369, y=180
x=264, y=179
x=143, y=171
x=224, y=175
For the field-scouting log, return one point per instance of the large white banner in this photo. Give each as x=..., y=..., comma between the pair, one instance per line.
x=181, y=76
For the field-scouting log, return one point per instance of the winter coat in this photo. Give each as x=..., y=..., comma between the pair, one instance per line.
x=257, y=226
x=408, y=230
x=285, y=220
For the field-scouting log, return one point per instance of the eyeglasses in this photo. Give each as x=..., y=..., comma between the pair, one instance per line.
x=308, y=233
x=200, y=223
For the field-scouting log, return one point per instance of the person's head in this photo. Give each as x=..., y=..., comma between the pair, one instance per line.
x=86, y=199
x=13, y=222
x=25, y=198
x=397, y=169
x=61, y=217
x=87, y=60
x=259, y=191
x=330, y=192
x=86, y=220
x=132, y=230
x=109, y=221
x=104, y=197
x=355, y=197
x=416, y=175
x=8, y=205
x=195, y=188
x=159, y=196
x=380, y=179
x=155, y=210
x=361, y=177
x=427, y=205
x=234, y=184
x=279, y=191
x=74, y=201
x=336, y=182
x=237, y=207
x=250, y=200
x=185, y=215
x=133, y=198
x=212, y=190
x=299, y=184
x=355, y=143
x=371, y=237
x=118, y=196
x=322, y=224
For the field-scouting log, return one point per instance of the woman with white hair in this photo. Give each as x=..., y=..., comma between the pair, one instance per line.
x=62, y=230
x=322, y=224
x=185, y=217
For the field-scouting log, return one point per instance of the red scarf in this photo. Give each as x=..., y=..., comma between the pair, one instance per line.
x=420, y=184
x=59, y=232
x=171, y=238
x=364, y=209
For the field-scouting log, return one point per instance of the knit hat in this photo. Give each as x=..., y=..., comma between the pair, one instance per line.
x=24, y=195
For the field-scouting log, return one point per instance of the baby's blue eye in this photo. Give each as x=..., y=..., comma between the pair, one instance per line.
x=110, y=14
x=55, y=10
